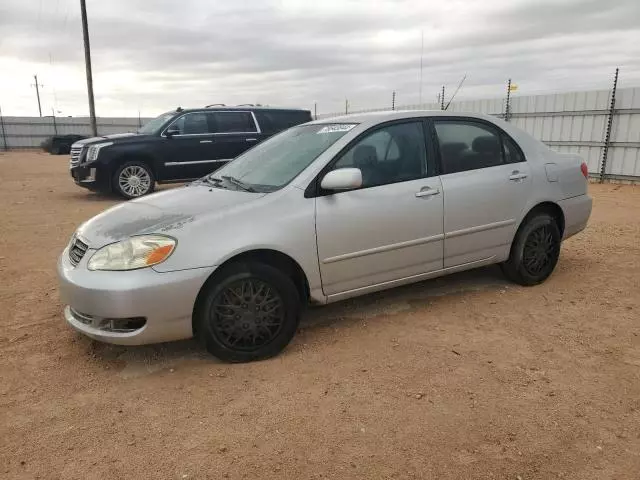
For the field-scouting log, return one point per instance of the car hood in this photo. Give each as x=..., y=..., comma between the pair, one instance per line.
x=164, y=212
x=115, y=138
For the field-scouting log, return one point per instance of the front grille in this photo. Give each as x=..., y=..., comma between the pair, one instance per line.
x=76, y=154
x=77, y=249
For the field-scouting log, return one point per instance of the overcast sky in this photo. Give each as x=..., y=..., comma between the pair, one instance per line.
x=153, y=55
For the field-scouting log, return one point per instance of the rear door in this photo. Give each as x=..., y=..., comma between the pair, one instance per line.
x=233, y=133
x=486, y=183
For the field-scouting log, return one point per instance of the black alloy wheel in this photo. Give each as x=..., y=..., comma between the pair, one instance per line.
x=534, y=251
x=247, y=311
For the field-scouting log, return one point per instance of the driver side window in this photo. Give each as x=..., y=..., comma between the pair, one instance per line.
x=388, y=155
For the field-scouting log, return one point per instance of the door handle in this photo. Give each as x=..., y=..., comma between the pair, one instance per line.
x=516, y=175
x=206, y=141
x=252, y=139
x=427, y=192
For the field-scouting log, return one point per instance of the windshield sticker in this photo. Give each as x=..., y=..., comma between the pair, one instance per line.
x=337, y=127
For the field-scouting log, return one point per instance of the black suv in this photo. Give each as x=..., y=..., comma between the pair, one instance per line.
x=176, y=146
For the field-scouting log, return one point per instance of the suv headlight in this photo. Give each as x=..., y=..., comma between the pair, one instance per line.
x=94, y=150
x=136, y=252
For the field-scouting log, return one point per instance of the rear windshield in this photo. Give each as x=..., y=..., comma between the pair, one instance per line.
x=273, y=163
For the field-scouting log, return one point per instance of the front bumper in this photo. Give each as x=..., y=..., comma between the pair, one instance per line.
x=164, y=300
x=90, y=177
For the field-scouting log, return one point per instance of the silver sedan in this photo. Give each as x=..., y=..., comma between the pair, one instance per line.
x=319, y=213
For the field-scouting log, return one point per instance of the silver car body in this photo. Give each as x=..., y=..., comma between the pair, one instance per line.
x=346, y=244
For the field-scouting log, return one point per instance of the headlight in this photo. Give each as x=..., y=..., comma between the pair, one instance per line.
x=135, y=252
x=94, y=150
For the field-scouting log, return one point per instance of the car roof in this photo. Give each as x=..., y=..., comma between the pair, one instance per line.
x=373, y=118
x=242, y=107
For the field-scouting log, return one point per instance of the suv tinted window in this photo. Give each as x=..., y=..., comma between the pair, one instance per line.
x=388, y=155
x=467, y=145
x=232, y=122
x=272, y=121
x=191, y=124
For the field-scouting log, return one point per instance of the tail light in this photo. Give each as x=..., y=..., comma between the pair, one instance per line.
x=585, y=170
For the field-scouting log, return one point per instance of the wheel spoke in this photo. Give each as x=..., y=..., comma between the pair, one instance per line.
x=247, y=315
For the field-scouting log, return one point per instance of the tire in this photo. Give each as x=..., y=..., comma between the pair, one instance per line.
x=133, y=180
x=534, y=252
x=227, y=318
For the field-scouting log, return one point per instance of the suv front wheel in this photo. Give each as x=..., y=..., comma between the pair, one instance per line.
x=133, y=180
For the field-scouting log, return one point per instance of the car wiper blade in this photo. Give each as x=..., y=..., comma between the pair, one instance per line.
x=238, y=183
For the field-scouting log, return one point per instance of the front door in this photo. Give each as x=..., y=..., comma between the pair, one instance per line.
x=391, y=227
x=486, y=183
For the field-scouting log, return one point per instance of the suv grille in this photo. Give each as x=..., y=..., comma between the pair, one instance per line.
x=76, y=153
x=77, y=250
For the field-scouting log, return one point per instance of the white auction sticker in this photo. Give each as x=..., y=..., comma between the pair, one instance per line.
x=337, y=127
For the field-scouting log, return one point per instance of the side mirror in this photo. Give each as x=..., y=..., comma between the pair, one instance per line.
x=171, y=131
x=342, y=179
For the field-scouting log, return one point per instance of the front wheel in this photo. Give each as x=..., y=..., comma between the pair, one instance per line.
x=133, y=180
x=534, y=252
x=250, y=312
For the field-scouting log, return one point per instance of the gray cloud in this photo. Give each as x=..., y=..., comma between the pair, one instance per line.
x=155, y=55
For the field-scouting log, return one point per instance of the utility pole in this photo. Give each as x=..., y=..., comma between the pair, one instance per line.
x=442, y=99
x=37, y=85
x=346, y=106
x=393, y=100
x=507, y=110
x=315, y=110
x=4, y=134
x=55, y=127
x=87, y=63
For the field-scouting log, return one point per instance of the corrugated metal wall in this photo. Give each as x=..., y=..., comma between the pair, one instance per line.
x=572, y=122
x=29, y=132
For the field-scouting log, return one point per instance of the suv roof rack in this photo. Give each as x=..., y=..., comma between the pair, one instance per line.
x=215, y=105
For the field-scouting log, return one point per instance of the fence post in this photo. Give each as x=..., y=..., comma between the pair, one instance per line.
x=507, y=109
x=607, y=136
x=4, y=133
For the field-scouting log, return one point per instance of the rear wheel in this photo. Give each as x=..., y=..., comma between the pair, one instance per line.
x=250, y=312
x=133, y=180
x=534, y=252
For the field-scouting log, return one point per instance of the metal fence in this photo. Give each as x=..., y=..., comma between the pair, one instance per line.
x=573, y=122
x=29, y=132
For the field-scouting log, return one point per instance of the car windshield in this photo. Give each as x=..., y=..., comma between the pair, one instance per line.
x=272, y=164
x=153, y=125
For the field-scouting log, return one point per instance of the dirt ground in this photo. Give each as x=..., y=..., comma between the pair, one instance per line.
x=464, y=377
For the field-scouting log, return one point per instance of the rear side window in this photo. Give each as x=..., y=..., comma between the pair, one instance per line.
x=273, y=121
x=232, y=122
x=468, y=146
x=512, y=154
x=191, y=124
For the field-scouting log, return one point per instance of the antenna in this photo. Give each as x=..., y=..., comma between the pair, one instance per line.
x=454, y=93
x=421, y=55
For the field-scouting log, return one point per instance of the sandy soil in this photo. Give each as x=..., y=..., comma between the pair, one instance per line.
x=462, y=377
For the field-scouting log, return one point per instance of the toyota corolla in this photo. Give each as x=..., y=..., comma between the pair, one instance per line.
x=319, y=213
